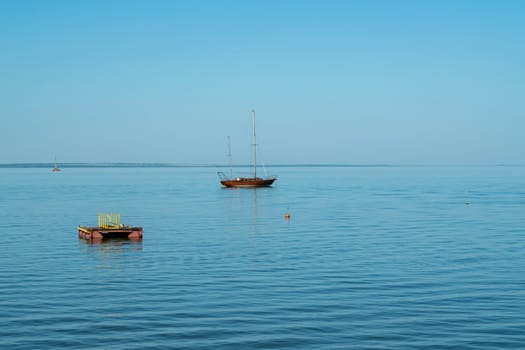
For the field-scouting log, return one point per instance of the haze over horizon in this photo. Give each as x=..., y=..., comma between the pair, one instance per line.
x=344, y=82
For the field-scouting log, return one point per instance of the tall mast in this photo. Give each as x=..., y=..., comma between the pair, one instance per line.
x=254, y=146
x=230, y=156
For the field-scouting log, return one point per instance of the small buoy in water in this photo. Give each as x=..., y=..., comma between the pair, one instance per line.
x=287, y=216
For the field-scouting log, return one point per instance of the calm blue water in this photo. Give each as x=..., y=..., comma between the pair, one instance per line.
x=372, y=258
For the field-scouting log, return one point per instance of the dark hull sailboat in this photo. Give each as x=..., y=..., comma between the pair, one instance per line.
x=247, y=182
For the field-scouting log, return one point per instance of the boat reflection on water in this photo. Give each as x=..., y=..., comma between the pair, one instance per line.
x=246, y=206
x=110, y=253
x=113, y=243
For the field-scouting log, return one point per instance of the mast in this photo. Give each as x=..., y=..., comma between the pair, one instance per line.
x=230, y=156
x=254, y=146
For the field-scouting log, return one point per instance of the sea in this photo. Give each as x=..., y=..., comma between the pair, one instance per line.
x=372, y=257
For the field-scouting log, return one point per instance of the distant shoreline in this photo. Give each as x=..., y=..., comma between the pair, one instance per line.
x=173, y=165
x=180, y=165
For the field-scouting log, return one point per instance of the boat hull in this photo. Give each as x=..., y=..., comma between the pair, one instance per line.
x=248, y=182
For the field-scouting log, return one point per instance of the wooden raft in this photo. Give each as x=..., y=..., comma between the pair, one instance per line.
x=109, y=226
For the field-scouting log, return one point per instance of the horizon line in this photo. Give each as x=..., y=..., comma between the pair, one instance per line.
x=209, y=165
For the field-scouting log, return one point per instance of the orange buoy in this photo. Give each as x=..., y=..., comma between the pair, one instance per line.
x=287, y=216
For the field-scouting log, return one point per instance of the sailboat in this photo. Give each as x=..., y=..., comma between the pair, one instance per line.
x=254, y=181
x=56, y=168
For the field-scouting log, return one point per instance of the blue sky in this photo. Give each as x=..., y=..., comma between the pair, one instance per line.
x=357, y=82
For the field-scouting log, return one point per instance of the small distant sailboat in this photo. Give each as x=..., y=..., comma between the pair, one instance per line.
x=254, y=181
x=56, y=168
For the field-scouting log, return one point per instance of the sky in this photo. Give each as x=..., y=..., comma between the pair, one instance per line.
x=346, y=82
